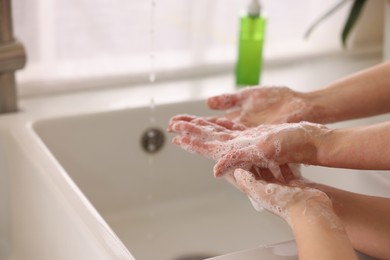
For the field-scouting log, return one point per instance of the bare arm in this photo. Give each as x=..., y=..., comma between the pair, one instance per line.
x=266, y=146
x=365, y=147
x=362, y=94
x=318, y=231
x=326, y=222
x=365, y=218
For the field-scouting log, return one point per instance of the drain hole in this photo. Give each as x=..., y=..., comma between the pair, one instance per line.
x=194, y=257
x=152, y=140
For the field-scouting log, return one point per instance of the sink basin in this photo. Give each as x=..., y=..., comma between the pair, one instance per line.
x=166, y=204
x=36, y=221
x=5, y=239
x=162, y=205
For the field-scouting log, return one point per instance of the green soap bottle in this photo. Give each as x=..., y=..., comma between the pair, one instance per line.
x=250, y=51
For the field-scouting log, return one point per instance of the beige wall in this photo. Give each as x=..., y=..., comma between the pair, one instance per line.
x=370, y=27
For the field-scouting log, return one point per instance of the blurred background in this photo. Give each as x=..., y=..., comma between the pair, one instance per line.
x=85, y=43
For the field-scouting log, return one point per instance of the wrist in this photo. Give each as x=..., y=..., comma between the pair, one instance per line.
x=317, y=112
x=327, y=147
x=316, y=211
x=318, y=136
x=307, y=201
x=320, y=109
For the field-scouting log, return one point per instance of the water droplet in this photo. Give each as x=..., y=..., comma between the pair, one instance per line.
x=152, y=104
x=152, y=107
x=152, y=74
x=152, y=77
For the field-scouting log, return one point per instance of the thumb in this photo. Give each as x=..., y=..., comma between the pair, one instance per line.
x=245, y=180
x=247, y=183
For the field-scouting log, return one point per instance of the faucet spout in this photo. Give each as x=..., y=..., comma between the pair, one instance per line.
x=12, y=58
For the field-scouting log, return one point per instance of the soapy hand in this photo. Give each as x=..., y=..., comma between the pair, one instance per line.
x=280, y=198
x=265, y=146
x=220, y=123
x=261, y=105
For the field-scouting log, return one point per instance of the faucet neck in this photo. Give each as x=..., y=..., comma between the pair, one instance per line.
x=6, y=32
x=12, y=58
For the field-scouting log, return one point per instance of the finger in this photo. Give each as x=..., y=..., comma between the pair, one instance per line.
x=195, y=145
x=256, y=205
x=183, y=117
x=214, y=125
x=287, y=173
x=228, y=124
x=267, y=175
x=255, y=189
x=177, y=118
x=212, y=119
x=189, y=128
x=291, y=172
x=223, y=102
x=234, y=114
x=276, y=172
x=228, y=121
x=223, y=122
x=243, y=158
x=256, y=172
x=245, y=180
x=296, y=170
x=203, y=129
x=246, y=158
x=230, y=179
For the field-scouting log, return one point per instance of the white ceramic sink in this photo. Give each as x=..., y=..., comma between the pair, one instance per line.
x=168, y=205
x=162, y=206
x=36, y=220
x=5, y=239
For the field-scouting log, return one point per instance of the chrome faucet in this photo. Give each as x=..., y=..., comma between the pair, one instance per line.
x=12, y=58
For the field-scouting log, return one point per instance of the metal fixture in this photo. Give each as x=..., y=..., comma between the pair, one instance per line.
x=153, y=140
x=12, y=58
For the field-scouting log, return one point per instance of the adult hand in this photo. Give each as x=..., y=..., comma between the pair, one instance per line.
x=265, y=146
x=262, y=105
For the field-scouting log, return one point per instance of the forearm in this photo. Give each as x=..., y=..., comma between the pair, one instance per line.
x=360, y=95
x=364, y=148
x=365, y=218
x=319, y=234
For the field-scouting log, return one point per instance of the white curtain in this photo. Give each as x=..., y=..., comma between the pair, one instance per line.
x=70, y=39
